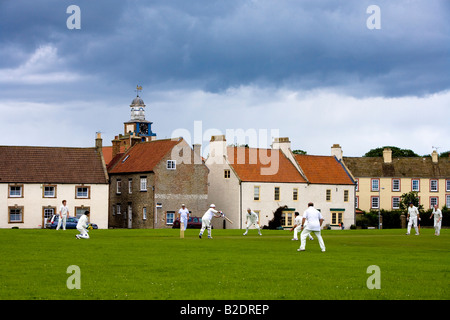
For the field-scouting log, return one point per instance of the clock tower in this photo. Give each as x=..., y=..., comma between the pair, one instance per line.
x=137, y=126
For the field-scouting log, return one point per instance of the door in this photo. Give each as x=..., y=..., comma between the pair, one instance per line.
x=130, y=217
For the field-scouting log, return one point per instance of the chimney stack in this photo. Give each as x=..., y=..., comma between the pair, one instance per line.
x=387, y=155
x=115, y=146
x=99, y=142
x=435, y=156
x=336, y=151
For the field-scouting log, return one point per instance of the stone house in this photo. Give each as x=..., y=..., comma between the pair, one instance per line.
x=150, y=181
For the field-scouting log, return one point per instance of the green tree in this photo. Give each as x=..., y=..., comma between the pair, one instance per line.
x=299, y=152
x=396, y=152
x=407, y=198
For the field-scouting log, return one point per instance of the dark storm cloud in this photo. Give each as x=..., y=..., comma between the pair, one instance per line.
x=214, y=45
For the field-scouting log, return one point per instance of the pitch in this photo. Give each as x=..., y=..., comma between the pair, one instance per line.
x=158, y=265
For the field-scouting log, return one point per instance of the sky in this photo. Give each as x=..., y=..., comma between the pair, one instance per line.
x=318, y=72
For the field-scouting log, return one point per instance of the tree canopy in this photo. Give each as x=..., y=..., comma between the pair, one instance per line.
x=396, y=152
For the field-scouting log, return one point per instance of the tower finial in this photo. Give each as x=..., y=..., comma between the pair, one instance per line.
x=138, y=89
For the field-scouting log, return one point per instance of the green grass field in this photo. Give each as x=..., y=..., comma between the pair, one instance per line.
x=158, y=265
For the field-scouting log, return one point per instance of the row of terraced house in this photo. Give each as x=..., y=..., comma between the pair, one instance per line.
x=141, y=181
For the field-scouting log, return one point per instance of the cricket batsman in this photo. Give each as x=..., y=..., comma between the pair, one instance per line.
x=206, y=220
x=252, y=219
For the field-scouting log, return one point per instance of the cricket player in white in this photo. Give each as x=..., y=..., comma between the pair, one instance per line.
x=437, y=213
x=413, y=214
x=313, y=219
x=183, y=214
x=63, y=214
x=298, y=227
x=206, y=220
x=252, y=219
x=82, y=226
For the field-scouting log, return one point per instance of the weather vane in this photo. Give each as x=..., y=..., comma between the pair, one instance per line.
x=138, y=89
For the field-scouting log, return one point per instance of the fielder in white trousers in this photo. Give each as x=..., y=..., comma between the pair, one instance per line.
x=63, y=213
x=413, y=214
x=82, y=226
x=437, y=213
x=252, y=219
x=313, y=219
x=298, y=227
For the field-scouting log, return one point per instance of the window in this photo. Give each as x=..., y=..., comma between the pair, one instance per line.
x=415, y=185
x=256, y=193
x=395, y=184
x=375, y=202
x=295, y=194
x=357, y=202
x=276, y=194
x=287, y=218
x=130, y=185
x=16, y=191
x=15, y=214
x=144, y=213
x=118, y=209
x=345, y=195
x=170, y=217
x=434, y=201
x=447, y=200
x=447, y=185
x=357, y=184
x=143, y=184
x=171, y=164
x=82, y=192
x=226, y=173
x=434, y=185
x=118, y=186
x=336, y=217
x=48, y=212
x=328, y=195
x=395, y=202
x=49, y=191
x=79, y=211
x=375, y=185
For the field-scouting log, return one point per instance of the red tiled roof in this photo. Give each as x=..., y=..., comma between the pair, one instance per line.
x=24, y=164
x=250, y=164
x=323, y=169
x=143, y=156
x=107, y=153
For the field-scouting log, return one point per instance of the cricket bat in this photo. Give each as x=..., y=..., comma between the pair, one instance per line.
x=226, y=218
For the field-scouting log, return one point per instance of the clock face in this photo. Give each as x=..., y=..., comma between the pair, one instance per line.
x=143, y=128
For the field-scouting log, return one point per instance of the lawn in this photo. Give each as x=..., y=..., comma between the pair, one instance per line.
x=158, y=265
